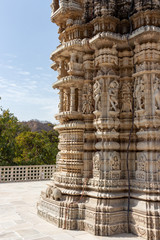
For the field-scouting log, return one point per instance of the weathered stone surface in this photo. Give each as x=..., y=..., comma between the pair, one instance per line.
x=108, y=59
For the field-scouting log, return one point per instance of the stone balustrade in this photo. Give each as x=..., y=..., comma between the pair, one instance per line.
x=26, y=173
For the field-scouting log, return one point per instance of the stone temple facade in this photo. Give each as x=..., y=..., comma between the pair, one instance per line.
x=107, y=179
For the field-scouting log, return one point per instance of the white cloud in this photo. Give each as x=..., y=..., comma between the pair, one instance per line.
x=47, y=75
x=13, y=85
x=7, y=66
x=39, y=68
x=2, y=80
x=10, y=55
x=10, y=67
x=25, y=73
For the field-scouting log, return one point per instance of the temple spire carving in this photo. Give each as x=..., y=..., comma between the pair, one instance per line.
x=108, y=166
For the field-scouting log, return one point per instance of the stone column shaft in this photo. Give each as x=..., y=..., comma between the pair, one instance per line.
x=79, y=100
x=61, y=95
x=72, y=99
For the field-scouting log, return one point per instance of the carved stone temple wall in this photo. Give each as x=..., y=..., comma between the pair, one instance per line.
x=107, y=178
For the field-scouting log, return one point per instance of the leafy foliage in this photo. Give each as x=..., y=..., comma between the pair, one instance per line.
x=36, y=148
x=20, y=146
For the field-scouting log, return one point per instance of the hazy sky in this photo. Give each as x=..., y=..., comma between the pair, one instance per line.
x=27, y=38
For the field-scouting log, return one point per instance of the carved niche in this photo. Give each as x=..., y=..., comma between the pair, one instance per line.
x=156, y=90
x=114, y=165
x=141, y=167
x=126, y=97
x=158, y=167
x=114, y=161
x=87, y=99
x=66, y=100
x=97, y=91
x=97, y=158
x=62, y=68
x=75, y=65
x=139, y=94
x=113, y=96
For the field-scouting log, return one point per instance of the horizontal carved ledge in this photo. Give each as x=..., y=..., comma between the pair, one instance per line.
x=72, y=125
x=69, y=115
x=67, y=81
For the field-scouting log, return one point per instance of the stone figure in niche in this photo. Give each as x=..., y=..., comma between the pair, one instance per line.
x=84, y=103
x=139, y=94
x=141, y=166
x=158, y=163
x=97, y=95
x=66, y=101
x=72, y=64
x=113, y=95
x=126, y=98
x=73, y=57
x=157, y=92
x=126, y=104
x=90, y=104
x=87, y=100
x=62, y=68
x=141, y=162
x=114, y=160
x=96, y=161
x=66, y=67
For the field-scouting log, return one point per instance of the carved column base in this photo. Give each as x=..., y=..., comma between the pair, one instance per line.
x=67, y=213
x=100, y=216
x=144, y=219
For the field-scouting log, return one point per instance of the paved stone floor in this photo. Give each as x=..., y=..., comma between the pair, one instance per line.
x=19, y=220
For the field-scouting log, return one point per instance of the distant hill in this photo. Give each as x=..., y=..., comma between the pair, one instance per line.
x=38, y=126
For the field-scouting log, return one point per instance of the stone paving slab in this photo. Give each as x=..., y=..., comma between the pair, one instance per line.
x=19, y=220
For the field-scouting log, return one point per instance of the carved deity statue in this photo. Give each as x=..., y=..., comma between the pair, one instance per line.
x=157, y=92
x=87, y=100
x=96, y=161
x=126, y=98
x=139, y=94
x=113, y=95
x=66, y=102
x=141, y=166
x=114, y=160
x=97, y=95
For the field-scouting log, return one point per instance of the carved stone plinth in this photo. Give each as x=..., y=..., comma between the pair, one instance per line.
x=108, y=168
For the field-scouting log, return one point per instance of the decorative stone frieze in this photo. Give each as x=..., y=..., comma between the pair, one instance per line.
x=108, y=167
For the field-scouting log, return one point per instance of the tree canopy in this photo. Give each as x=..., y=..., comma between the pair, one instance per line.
x=20, y=146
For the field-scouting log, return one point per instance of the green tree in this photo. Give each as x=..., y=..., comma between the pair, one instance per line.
x=36, y=148
x=9, y=129
x=20, y=146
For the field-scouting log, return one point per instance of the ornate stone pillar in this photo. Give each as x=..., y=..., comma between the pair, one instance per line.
x=87, y=110
x=106, y=94
x=106, y=159
x=147, y=92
